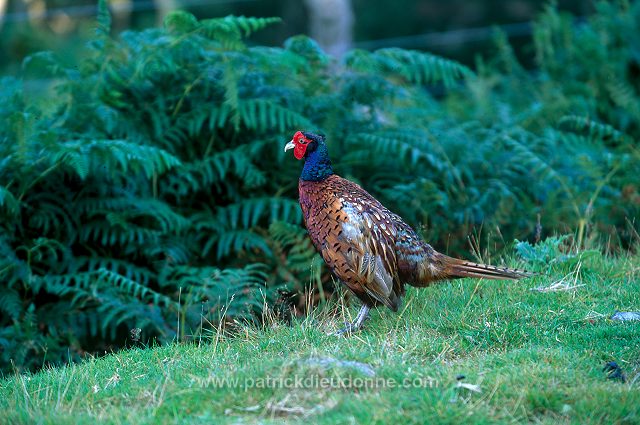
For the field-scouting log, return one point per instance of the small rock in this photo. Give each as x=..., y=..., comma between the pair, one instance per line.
x=470, y=387
x=624, y=316
x=328, y=362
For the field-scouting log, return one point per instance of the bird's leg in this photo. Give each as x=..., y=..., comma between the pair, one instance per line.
x=363, y=315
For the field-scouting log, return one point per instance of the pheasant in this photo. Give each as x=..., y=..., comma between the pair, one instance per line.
x=367, y=247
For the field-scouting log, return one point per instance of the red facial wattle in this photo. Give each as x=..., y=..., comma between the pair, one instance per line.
x=301, y=144
x=299, y=150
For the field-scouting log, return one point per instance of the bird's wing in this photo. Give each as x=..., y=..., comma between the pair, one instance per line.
x=372, y=254
x=365, y=241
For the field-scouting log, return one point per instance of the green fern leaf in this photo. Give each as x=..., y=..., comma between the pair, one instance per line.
x=594, y=129
x=10, y=302
x=263, y=115
x=416, y=67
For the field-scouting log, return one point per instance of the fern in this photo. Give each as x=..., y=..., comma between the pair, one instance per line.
x=8, y=202
x=625, y=96
x=416, y=67
x=301, y=252
x=412, y=149
x=132, y=287
x=237, y=241
x=594, y=129
x=103, y=28
x=230, y=30
x=10, y=303
x=263, y=115
x=225, y=164
x=154, y=185
x=246, y=214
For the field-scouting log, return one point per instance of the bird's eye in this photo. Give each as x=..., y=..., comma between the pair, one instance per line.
x=304, y=141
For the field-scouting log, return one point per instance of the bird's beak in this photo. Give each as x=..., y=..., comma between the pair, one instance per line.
x=289, y=145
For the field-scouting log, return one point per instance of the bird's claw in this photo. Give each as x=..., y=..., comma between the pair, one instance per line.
x=349, y=328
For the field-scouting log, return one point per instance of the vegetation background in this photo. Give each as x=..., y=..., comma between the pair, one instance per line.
x=144, y=194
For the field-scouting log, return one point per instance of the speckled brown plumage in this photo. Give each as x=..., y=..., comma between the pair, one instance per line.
x=369, y=248
x=356, y=237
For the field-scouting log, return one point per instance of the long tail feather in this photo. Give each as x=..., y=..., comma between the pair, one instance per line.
x=461, y=268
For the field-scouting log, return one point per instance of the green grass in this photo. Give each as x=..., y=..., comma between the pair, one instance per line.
x=527, y=356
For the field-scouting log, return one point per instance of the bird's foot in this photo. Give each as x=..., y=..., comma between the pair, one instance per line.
x=351, y=328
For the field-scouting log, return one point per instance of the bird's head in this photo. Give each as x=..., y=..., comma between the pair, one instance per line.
x=304, y=143
x=311, y=147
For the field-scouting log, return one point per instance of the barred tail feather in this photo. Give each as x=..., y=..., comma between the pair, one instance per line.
x=461, y=268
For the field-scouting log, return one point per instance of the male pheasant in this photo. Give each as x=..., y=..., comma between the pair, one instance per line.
x=366, y=246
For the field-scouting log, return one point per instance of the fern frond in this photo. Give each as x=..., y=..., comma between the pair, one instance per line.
x=248, y=25
x=307, y=48
x=410, y=147
x=125, y=268
x=120, y=234
x=594, y=129
x=124, y=210
x=114, y=312
x=301, y=254
x=85, y=156
x=8, y=201
x=10, y=302
x=264, y=114
x=132, y=287
x=103, y=28
x=201, y=174
x=625, y=96
x=247, y=213
x=229, y=290
x=50, y=212
x=180, y=22
x=236, y=241
x=416, y=67
x=68, y=284
x=230, y=80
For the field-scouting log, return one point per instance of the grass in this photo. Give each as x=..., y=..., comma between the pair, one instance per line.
x=525, y=356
